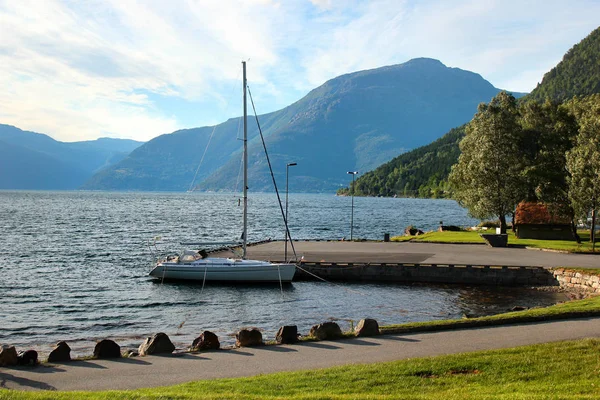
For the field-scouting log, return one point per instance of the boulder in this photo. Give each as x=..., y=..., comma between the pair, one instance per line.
x=107, y=349
x=159, y=343
x=28, y=357
x=206, y=341
x=326, y=330
x=131, y=353
x=8, y=356
x=287, y=334
x=248, y=338
x=412, y=231
x=367, y=327
x=62, y=352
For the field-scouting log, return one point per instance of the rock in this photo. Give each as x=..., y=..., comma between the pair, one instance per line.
x=8, y=356
x=107, y=349
x=131, y=353
x=412, y=231
x=62, y=352
x=287, y=334
x=206, y=341
x=159, y=343
x=367, y=327
x=248, y=338
x=29, y=357
x=326, y=330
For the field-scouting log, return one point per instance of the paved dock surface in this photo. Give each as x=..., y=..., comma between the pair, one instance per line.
x=153, y=371
x=421, y=253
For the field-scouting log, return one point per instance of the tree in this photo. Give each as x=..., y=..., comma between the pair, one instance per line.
x=583, y=161
x=487, y=180
x=548, y=132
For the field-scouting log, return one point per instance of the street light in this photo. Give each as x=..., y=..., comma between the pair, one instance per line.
x=353, y=173
x=287, y=172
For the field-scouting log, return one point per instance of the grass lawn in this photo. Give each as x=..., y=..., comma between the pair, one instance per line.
x=555, y=370
x=473, y=237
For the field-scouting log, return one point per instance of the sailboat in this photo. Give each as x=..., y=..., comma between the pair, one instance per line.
x=195, y=265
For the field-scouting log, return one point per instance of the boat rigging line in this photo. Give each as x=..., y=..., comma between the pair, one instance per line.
x=210, y=139
x=287, y=229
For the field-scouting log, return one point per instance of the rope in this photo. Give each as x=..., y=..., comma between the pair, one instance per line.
x=234, y=83
x=203, y=280
x=280, y=284
x=272, y=175
x=202, y=159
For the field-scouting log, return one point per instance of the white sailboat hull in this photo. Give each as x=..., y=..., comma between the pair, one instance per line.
x=224, y=270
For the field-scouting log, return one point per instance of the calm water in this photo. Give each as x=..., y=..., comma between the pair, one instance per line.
x=74, y=265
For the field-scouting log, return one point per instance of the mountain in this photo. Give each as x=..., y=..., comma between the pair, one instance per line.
x=421, y=172
x=578, y=74
x=22, y=168
x=354, y=122
x=36, y=161
x=426, y=169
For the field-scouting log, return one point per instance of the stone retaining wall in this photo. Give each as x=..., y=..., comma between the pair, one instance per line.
x=572, y=280
x=429, y=273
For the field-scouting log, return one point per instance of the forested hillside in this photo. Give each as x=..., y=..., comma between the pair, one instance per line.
x=578, y=74
x=425, y=169
x=419, y=173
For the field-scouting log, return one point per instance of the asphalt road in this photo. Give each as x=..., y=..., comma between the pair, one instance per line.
x=153, y=371
x=423, y=253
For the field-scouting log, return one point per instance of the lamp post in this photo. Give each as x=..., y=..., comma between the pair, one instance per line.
x=353, y=173
x=287, y=173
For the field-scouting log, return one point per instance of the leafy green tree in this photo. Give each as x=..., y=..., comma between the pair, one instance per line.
x=583, y=161
x=487, y=180
x=548, y=133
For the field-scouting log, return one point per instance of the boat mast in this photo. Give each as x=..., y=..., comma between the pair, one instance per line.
x=245, y=231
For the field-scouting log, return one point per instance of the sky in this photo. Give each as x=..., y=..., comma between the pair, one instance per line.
x=80, y=70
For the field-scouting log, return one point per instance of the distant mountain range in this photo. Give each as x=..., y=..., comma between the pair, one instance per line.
x=423, y=172
x=353, y=122
x=30, y=160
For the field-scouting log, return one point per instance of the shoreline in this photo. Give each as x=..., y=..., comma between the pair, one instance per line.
x=84, y=350
x=134, y=373
x=334, y=251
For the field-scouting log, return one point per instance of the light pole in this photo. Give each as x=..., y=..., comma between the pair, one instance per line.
x=287, y=173
x=353, y=173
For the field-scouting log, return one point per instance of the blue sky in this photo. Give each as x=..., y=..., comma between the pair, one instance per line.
x=79, y=70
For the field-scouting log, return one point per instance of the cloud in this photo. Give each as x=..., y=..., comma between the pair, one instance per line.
x=78, y=66
x=501, y=40
x=80, y=70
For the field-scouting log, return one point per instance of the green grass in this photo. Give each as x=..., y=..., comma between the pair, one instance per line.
x=473, y=237
x=571, y=309
x=555, y=370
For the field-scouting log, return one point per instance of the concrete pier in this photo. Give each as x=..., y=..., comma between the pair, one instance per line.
x=422, y=262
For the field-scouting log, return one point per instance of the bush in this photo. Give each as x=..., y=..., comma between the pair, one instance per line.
x=489, y=224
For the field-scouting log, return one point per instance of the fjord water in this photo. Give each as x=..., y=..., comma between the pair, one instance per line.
x=74, y=266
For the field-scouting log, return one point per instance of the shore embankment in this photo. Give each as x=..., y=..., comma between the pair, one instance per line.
x=154, y=371
x=424, y=262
